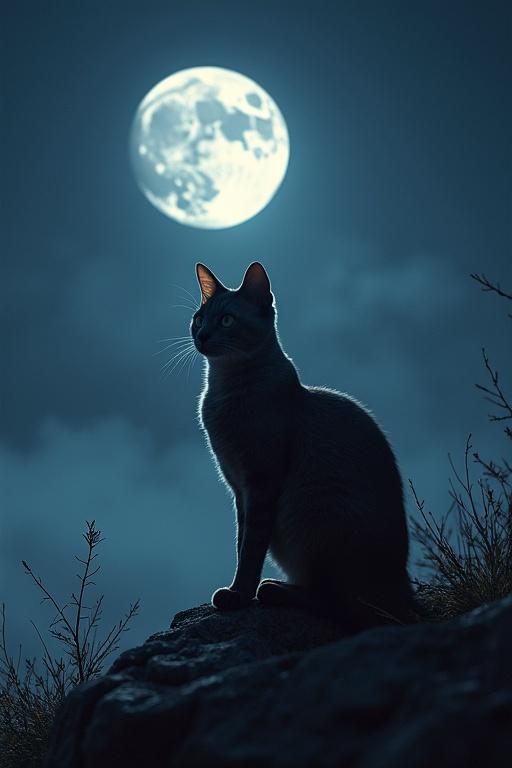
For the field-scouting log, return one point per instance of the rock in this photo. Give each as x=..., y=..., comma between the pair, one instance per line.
x=277, y=687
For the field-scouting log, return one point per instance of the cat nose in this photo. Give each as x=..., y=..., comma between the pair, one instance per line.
x=201, y=338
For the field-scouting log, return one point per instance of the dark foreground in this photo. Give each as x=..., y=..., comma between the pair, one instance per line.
x=277, y=687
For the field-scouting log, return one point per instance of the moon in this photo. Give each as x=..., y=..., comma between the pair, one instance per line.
x=209, y=147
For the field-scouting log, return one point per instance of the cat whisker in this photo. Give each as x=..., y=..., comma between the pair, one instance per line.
x=169, y=366
x=184, y=362
x=181, y=288
x=176, y=355
x=180, y=361
x=173, y=344
x=183, y=306
x=174, y=360
x=191, y=363
x=173, y=338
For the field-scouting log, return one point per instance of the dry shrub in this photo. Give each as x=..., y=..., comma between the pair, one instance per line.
x=31, y=691
x=467, y=554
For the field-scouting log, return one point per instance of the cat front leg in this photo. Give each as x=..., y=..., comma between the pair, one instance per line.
x=254, y=534
x=227, y=598
x=239, y=505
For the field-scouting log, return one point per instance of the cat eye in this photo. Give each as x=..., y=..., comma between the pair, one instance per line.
x=227, y=320
x=198, y=321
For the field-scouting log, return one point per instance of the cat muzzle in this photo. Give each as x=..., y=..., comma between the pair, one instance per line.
x=200, y=342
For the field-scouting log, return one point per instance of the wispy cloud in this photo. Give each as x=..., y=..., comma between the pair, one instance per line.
x=168, y=522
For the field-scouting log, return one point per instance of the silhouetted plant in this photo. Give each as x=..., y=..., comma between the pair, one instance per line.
x=30, y=693
x=467, y=554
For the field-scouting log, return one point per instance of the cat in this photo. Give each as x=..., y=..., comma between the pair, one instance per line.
x=314, y=480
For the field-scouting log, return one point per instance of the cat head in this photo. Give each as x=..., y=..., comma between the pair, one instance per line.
x=233, y=324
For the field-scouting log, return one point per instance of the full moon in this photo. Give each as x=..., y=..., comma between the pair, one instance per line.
x=209, y=147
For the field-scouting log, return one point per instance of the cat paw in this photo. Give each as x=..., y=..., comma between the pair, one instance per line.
x=271, y=592
x=226, y=599
x=280, y=593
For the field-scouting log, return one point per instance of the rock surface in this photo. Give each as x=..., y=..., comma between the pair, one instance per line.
x=277, y=687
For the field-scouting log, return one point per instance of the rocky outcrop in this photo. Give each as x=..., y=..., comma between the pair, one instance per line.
x=277, y=687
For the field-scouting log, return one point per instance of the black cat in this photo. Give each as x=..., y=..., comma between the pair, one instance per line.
x=314, y=479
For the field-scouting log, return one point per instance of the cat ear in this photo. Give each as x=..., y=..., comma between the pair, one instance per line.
x=207, y=282
x=256, y=284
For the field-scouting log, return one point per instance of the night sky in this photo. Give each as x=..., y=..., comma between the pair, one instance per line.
x=399, y=186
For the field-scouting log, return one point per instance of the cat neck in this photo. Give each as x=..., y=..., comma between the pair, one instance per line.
x=268, y=365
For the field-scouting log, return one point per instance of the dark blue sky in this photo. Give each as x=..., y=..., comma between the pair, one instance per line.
x=399, y=186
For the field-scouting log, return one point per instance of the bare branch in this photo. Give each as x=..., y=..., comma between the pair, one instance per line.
x=487, y=286
x=29, y=699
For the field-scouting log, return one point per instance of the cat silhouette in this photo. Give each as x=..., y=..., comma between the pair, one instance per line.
x=314, y=479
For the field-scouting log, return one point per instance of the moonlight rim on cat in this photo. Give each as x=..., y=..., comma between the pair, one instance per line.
x=314, y=480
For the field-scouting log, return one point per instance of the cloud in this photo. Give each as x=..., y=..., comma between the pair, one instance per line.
x=167, y=521
x=359, y=286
